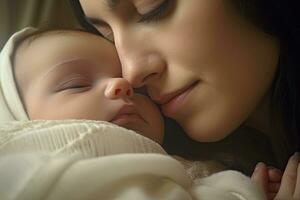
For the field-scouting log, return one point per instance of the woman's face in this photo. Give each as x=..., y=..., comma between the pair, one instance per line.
x=206, y=66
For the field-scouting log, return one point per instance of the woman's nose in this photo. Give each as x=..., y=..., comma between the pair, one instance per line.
x=118, y=88
x=141, y=61
x=142, y=69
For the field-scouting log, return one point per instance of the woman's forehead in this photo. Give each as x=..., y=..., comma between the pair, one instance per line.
x=111, y=4
x=95, y=7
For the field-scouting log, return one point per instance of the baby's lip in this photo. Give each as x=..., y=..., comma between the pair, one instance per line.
x=129, y=111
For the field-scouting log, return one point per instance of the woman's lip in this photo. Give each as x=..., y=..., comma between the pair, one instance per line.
x=165, y=99
x=174, y=104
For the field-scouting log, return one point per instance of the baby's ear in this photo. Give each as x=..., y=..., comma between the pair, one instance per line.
x=260, y=176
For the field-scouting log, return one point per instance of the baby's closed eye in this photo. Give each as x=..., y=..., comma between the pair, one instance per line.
x=74, y=82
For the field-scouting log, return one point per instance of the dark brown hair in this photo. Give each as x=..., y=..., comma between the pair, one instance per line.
x=280, y=19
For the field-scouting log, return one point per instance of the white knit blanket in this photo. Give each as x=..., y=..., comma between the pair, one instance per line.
x=79, y=160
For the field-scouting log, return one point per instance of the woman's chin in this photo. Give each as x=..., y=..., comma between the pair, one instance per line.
x=206, y=133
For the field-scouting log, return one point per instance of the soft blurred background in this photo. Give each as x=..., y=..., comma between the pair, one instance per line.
x=17, y=14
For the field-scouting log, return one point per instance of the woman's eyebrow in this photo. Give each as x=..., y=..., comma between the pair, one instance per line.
x=112, y=4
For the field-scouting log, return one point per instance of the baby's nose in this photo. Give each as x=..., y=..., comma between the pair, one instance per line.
x=118, y=88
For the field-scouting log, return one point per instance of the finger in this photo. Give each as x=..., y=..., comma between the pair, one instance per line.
x=271, y=196
x=297, y=190
x=273, y=187
x=275, y=175
x=288, y=181
x=260, y=176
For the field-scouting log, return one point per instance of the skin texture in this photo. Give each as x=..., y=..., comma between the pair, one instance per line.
x=201, y=43
x=76, y=75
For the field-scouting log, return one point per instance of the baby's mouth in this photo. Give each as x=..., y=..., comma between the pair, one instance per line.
x=128, y=114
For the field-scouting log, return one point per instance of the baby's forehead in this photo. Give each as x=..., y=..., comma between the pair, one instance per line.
x=57, y=35
x=41, y=50
x=56, y=44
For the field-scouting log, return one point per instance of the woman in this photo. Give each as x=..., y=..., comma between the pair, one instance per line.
x=214, y=66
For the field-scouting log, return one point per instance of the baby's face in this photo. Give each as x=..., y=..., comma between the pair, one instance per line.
x=76, y=75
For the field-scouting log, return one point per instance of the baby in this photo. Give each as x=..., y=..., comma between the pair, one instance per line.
x=77, y=75
x=71, y=74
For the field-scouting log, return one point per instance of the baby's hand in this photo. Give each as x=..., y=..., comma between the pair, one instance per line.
x=268, y=178
x=290, y=184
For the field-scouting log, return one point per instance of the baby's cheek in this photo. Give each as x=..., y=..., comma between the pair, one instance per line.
x=154, y=118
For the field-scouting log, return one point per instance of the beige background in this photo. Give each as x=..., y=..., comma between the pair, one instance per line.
x=17, y=14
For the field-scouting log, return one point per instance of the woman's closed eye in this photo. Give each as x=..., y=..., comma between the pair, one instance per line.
x=155, y=14
x=147, y=14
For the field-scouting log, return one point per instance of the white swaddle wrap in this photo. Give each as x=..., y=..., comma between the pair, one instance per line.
x=76, y=159
x=84, y=137
x=59, y=160
x=10, y=104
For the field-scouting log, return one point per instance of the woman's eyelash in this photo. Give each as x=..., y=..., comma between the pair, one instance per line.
x=155, y=14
